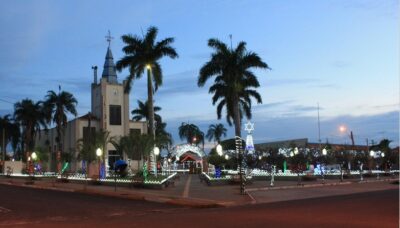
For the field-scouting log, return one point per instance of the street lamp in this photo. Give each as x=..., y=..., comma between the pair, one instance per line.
x=324, y=153
x=99, y=153
x=219, y=149
x=156, y=151
x=34, y=157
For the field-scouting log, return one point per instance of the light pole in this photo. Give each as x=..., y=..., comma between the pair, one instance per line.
x=378, y=155
x=34, y=157
x=99, y=152
x=324, y=153
x=361, y=170
x=156, y=151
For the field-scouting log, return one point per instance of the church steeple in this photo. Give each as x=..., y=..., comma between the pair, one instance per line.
x=109, y=71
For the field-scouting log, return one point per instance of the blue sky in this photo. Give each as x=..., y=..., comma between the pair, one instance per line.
x=343, y=55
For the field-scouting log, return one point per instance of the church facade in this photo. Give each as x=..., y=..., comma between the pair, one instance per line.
x=109, y=112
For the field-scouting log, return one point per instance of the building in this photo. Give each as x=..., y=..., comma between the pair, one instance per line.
x=109, y=111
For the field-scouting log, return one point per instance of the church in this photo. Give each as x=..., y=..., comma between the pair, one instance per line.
x=109, y=112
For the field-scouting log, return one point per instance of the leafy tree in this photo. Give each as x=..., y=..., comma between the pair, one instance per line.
x=144, y=54
x=216, y=131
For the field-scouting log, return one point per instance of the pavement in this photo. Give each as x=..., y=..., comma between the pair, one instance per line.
x=189, y=191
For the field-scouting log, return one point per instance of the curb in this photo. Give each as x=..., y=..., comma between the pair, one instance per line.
x=297, y=186
x=186, y=202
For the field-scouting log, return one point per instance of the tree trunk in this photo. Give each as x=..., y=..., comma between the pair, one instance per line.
x=150, y=102
x=237, y=122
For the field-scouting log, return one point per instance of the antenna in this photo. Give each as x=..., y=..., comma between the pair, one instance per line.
x=319, y=129
x=141, y=29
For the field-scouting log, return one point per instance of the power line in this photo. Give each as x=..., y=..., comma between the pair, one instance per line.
x=6, y=101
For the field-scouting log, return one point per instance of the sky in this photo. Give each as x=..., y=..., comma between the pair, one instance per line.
x=342, y=55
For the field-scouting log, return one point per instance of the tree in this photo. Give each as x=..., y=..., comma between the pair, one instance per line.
x=5, y=128
x=233, y=83
x=142, y=112
x=87, y=148
x=145, y=54
x=31, y=117
x=191, y=133
x=164, y=139
x=56, y=107
x=233, y=80
x=216, y=131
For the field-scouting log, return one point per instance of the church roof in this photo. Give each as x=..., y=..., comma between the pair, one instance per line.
x=109, y=71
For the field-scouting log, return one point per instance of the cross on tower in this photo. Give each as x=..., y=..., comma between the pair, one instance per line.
x=109, y=38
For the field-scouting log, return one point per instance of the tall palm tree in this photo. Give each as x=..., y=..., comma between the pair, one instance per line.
x=142, y=112
x=216, y=131
x=234, y=80
x=5, y=128
x=31, y=117
x=191, y=133
x=144, y=54
x=233, y=84
x=56, y=107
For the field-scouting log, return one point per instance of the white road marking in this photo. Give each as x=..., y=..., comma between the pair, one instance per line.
x=187, y=186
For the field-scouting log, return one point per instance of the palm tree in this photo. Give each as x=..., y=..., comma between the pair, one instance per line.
x=191, y=133
x=233, y=80
x=144, y=54
x=233, y=84
x=216, y=131
x=56, y=107
x=142, y=112
x=31, y=117
x=5, y=128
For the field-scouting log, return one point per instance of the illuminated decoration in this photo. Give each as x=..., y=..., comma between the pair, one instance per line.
x=296, y=150
x=371, y=153
x=226, y=157
x=179, y=150
x=34, y=156
x=324, y=151
x=249, y=127
x=66, y=165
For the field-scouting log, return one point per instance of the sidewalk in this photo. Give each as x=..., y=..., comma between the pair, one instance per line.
x=190, y=192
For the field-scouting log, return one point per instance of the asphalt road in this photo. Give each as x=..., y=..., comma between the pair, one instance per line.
x=43, y=208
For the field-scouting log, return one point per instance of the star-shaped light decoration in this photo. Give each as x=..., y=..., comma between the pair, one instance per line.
x=249, y=127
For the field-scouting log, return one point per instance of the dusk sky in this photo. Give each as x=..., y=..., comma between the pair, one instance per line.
x=343, y=55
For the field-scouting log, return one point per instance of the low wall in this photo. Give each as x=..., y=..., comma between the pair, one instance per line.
x=16, y=166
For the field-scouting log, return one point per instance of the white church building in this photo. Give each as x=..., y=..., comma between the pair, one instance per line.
x=109, y=111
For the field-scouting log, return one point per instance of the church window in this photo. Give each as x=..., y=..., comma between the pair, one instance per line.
x=115, y=114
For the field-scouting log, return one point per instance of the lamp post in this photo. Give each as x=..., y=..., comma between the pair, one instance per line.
x=360, y=164
x=99, y=152
x=156, y=151
x=34, y=157
x=324, y=153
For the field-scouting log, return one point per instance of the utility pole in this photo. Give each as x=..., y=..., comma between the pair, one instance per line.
x=4, y=150
x=319, y=130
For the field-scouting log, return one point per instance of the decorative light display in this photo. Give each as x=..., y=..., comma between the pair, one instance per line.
x=249, y=127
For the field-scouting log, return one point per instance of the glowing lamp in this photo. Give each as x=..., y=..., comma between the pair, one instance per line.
x=219, y=150
x=156, y=151
x=99, y=152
